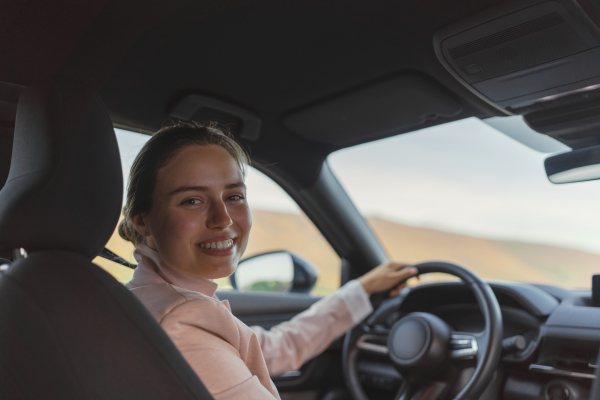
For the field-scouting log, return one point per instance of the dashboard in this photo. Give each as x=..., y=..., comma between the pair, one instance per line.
x=558, y=329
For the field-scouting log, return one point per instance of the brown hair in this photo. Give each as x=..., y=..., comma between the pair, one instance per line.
x=157, y=152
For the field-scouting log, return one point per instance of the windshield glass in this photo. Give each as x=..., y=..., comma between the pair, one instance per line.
x=464, y=192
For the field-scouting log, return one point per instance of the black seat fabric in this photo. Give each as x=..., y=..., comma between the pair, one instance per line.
x=69, y=330
x=64, y=187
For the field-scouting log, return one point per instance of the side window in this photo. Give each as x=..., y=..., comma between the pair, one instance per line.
x=278, y=224
x=130, y=144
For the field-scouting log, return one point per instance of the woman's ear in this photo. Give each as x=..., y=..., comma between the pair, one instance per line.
x=139, y=223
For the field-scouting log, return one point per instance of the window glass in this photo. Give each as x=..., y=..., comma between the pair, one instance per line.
x=130, y=144
x=466, y=193
x=277, y=224
x=272, y=272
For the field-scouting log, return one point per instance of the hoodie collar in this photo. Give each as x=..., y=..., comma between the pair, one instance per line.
x=152, y=269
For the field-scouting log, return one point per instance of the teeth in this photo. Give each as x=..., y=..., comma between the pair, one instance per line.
x=225, y=244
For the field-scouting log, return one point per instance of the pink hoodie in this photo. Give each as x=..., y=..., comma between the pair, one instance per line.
x=233, y=360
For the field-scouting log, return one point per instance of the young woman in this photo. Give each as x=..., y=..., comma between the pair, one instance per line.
x=188, y=217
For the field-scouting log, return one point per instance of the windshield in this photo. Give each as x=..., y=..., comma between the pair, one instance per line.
x=464, y=192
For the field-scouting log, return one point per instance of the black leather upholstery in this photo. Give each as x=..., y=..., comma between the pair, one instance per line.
x=6, y=137
x=64, y=188
x=69, y=330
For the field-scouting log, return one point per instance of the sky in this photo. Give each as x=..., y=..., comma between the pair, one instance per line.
x=468, y=177
x=463, y=177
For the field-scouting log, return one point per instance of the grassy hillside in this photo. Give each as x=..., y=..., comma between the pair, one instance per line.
x=492, y=259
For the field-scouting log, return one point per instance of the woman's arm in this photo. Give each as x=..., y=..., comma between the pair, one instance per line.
x=289, y=345
x=224, y=352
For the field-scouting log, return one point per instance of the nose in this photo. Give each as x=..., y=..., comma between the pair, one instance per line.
x=218, y=217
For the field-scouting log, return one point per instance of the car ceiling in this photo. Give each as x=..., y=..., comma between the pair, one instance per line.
x=269, y=57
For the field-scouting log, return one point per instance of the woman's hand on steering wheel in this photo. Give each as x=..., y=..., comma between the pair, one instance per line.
x=389, y=275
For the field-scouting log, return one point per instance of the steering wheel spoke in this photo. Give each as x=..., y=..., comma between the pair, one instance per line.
x=373, y=343
x=464, y=346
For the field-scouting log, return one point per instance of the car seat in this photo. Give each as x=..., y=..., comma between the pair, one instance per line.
x=68, y=329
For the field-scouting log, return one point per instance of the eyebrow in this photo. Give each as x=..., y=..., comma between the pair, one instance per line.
x=205, y=189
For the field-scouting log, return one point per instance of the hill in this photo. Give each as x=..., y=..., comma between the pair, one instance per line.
x=491, y=259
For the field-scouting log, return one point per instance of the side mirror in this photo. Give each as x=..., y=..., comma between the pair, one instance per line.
x=575, y=166
x=279, y=271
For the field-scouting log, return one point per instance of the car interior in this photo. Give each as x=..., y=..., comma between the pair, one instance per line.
x=295, y=81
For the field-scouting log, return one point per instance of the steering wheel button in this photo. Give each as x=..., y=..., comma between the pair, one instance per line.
x=461, y=344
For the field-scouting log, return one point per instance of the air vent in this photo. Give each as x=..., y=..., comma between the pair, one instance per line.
x=516, y=32
x=576, y=361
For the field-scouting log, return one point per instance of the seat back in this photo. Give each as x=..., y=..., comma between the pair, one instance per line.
x=67, y=328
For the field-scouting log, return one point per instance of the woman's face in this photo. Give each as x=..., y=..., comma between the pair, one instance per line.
x=200, y=220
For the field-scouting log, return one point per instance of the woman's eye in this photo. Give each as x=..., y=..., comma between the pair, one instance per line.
x=192, y=202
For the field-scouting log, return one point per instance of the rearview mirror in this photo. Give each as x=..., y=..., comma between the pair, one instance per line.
x=574, y=166
x=279, y=272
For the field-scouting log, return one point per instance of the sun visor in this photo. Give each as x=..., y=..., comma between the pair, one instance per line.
x=382, y=109
x=525, y=56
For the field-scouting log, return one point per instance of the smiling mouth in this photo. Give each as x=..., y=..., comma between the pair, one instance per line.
x=220, y=245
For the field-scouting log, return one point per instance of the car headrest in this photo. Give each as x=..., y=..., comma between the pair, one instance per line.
x=65, y=186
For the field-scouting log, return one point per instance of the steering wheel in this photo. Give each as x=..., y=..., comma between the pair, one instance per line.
x=425, y=350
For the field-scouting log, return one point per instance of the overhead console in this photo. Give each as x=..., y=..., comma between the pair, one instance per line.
x=529, y=57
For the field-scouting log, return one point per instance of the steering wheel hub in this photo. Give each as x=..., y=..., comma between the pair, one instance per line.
x=409, y=340
x=418, y=343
